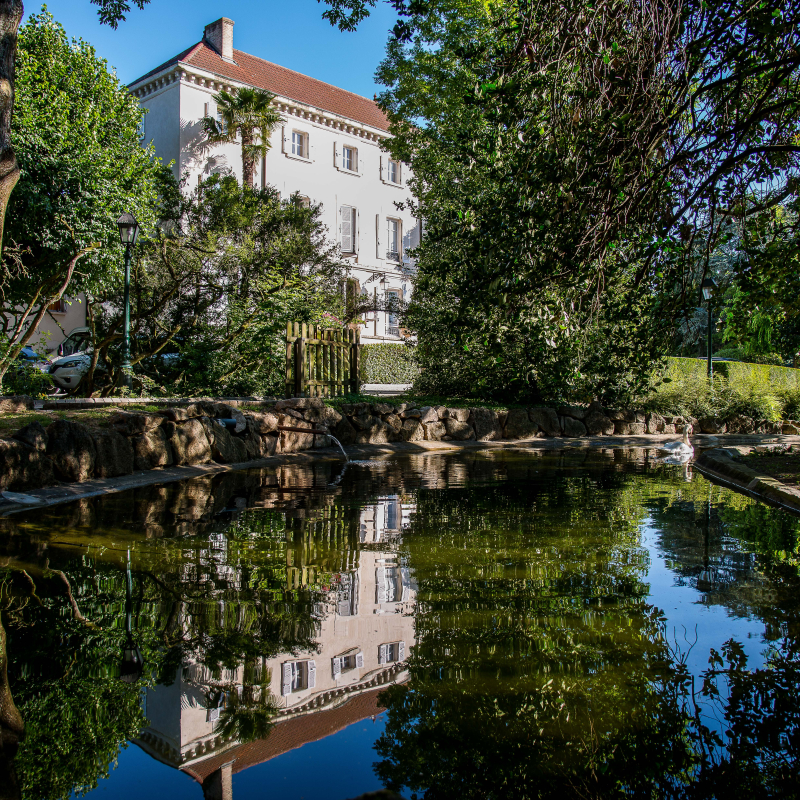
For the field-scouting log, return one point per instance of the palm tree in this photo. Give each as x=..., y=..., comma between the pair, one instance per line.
x=248, y=114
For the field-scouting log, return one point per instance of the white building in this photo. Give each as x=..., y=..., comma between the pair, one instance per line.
x=328, y=150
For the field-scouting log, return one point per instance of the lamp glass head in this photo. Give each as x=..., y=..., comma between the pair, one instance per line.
x=128, y=229
x=709, y=286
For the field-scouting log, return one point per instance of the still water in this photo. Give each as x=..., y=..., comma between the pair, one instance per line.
x=498, y=624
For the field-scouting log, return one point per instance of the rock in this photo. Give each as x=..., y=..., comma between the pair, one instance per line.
x=225, y=448
x=15, y=404
x=789, y=429
x=34, y=435
x=410, y=413
x=394, y=422
x=382, y=409
x=434, y=431
x=461, y=414
x=458, y=430
x=129, y=424
x=546, y=419
x=519, y=425
x=576, y=412
x=739, y=423
x=71, y=448
x=429, y=415
x=190, y=444
x=669, y=429
x=654, y=423
x=487, y=425
x=573, y=428
x=114, y=453
x=300, y=403
x=269, y=445
x=622, y=428
x=412, y=431
x=364, y=421
x=176, y=414
x=293, y=441
x=263, y=421
x=598, y=424
x=345, y=432
x=441, y=411
x=324, y=417
x=711, y=425
x=151, y=450
x=377, y=433
x=23, y=467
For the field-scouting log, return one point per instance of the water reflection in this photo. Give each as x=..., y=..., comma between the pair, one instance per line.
x=499, y=606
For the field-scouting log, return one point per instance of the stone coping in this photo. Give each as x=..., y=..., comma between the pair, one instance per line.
x=719, y=464
x=96, y=487
x=76, y=403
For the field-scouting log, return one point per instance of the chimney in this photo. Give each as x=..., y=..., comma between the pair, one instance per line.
x=219, y=35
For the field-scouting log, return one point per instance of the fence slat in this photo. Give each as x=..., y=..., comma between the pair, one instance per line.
x=321, y=362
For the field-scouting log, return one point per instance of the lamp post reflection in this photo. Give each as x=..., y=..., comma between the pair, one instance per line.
x=132, y=664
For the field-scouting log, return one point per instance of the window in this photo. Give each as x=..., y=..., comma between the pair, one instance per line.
x=297, y=676
x=350, y=158
x=392, y=584
x=393, y=171
x=59, y=307
x=141, y=129
x=392, y=304
x=393, y=239
x=347, y=662
x=348, y=229
x=389, y=653
x=299, y=144
x=303, y=202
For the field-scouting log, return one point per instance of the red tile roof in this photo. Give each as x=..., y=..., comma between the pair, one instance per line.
x=281, y=81
x=289, y=735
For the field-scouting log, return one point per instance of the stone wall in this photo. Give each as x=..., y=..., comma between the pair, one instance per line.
x=193, y=434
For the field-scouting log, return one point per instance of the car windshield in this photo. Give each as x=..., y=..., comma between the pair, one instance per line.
x=74, y=344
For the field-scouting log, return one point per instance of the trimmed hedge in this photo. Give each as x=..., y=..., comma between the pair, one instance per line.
x=737, y=372
x=388, y=363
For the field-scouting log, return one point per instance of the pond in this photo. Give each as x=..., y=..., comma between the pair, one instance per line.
x=491, y=624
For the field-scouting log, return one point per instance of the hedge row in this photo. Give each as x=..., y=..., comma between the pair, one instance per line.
x=737, y=372
x=388, y=363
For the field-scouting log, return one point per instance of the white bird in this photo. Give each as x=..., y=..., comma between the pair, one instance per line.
x=682, y=447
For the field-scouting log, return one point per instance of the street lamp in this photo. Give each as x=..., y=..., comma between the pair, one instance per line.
x=709, y=286
x=128, y=234
x=132, y=663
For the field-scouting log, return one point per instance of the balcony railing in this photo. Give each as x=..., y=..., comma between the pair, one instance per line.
x=392, y=255
x=393, y=331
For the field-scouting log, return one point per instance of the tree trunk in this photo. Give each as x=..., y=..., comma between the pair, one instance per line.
x=11, y=725
x=10, y=16
x=248, y=161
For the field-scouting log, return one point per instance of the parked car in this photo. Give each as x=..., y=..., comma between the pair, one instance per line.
x=74, y=359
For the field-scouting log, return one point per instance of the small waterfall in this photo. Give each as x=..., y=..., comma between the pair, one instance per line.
x=340, y=447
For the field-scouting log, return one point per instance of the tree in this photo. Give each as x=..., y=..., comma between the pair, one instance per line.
x=215, y=287
x=248, y=115
x=76, y=136
x=566, y=160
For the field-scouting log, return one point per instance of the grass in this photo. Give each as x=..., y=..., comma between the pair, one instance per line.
x=91, y=417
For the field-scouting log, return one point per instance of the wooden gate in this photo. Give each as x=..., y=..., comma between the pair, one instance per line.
x=321, y=362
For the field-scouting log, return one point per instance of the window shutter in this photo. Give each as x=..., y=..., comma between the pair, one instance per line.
x=336, y=663
x=406, y=578
x=380, y=584
x=401, y=651
x=286, y=674
x=383, y=168
x=285, y=146
x=360, y=166
x=312, y=674
x=359, y=660
x=346, y=228
x=378, y=235
x=356, y=229
x=382, y=654
x=336, y=155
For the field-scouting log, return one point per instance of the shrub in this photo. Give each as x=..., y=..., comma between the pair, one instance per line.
x=388, y=363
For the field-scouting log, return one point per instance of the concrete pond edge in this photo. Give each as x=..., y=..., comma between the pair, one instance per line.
x=719, y=464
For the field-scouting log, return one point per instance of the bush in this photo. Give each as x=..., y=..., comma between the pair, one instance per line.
x=388, y=363
x=737, y=354
x=757, y=390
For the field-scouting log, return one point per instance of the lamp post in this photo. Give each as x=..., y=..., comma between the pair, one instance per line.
x=128, y=234
x=709, y=286
x=131, y=664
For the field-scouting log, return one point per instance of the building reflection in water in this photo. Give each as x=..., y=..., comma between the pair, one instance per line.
x=364, y=634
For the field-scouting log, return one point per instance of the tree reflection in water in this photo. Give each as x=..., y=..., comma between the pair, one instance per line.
x=540, y=669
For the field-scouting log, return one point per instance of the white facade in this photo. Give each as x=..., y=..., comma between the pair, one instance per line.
x=322, y=154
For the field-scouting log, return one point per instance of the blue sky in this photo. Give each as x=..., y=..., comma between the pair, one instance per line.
x=291, y=33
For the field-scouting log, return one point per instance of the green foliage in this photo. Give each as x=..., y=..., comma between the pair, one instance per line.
x=757, y=390
x=388, y=363
x=743, y=354
x=575, y=165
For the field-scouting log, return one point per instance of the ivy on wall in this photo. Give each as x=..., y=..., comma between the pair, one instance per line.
x=388, y=363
